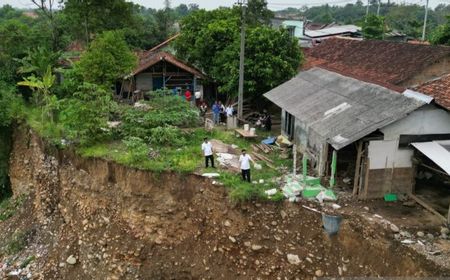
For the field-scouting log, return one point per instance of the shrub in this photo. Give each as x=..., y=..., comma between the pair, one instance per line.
x=85, y=116
x=17, y=243
x=11, y=105
x=163, y=111
x=166, y=135
x=137, y=148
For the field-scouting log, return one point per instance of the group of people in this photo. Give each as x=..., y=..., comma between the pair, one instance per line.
x=219, y=111
x=244, y=159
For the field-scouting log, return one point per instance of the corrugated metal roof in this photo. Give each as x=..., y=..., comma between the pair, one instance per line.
x=334, y=30
x=437, y=151
x=338, y=108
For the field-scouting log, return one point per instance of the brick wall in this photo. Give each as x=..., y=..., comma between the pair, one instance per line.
x=382, y=181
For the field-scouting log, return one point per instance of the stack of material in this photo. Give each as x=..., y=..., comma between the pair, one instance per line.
x=308, y=188
x=292, y=188
x=220, y=147
x=263, y=148
x=229, y=161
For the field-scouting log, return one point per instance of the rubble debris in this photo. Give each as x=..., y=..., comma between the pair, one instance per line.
x=293, y=259
x=271, y=192
x=71, y=260
x=211, y=175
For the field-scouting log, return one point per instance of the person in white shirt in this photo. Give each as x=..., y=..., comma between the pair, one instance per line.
x=208, y=152
x=245, y=160
x=229, y=111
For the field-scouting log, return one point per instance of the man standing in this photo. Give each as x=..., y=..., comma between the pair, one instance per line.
x=244, y=160
x=208, y=152
x=216, y=112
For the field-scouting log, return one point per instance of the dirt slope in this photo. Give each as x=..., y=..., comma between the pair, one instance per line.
x=121, y=223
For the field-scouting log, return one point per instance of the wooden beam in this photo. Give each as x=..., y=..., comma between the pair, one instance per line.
x=357, y=181
x=429, y=208
x=448, y=216
x=434, y=170
x=366, y=180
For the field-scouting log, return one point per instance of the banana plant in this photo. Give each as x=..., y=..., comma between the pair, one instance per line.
x=41, y=88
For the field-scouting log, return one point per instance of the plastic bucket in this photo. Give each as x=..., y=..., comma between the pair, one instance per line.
x=246, y=127
x=252, y=131
x=331, y=223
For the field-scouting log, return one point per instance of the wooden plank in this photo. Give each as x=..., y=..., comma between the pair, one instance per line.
x=245, y=134
x=448, y=216
x=366, y=180
x=434, y=170
x=429, y=208
x=357, y=181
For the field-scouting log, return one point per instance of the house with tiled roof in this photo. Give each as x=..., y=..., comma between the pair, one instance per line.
x=160, y=69
x=439, y=89
x=392, y=64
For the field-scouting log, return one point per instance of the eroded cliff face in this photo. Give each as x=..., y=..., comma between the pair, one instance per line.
x=108, y=211
x=122, y=223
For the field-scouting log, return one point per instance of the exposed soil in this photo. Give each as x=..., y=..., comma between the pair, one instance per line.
x=121, y=223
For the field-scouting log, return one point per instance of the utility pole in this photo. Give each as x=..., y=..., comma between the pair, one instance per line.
x=378, y=9
x=242, y=4
x=367, y=9
x=425, y=22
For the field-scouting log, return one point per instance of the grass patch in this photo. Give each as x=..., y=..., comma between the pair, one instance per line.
x=9, y=206
x=17, y=242
x=188, y=158
x=27, y=261
x=52, y=131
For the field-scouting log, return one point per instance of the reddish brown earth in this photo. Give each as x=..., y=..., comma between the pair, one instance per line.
x=122, y=223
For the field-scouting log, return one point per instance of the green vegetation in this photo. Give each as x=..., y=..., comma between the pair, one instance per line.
x=27, y=261
x=84, y=116
x=107, y=59
x=9, y=206
x=441, y=35
x=16, y=243
x=373, y=27
x=211, y=40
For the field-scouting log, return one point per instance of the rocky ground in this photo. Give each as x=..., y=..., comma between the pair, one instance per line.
x=93, y=219
x=251, y=241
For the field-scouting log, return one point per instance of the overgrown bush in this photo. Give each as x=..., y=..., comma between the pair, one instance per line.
x=85, y=116
x=161, y=111
x=11, y=104
x=166, y=135
x=137, y=148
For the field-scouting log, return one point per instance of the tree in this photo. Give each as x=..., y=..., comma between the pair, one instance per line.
x=210, y=40
x=107, y=59
x=89, y=17
x=441, y=36
x=14, y=36
x=37, y=61
x=258, y=13
x=47, y=7
x=373, y=27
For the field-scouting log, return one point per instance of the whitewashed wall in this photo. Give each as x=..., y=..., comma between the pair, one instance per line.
x=386, y=154
x=427, y=120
